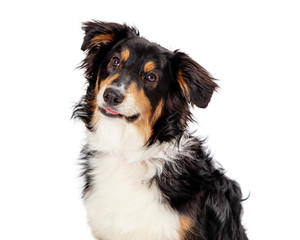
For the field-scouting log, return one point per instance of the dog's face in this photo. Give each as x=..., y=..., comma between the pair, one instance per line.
x=139, y=82
x=132, y=83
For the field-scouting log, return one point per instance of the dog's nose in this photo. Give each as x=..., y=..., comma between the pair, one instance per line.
x=113, y=96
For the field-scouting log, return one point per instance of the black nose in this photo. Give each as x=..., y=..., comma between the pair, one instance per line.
x=113, y=96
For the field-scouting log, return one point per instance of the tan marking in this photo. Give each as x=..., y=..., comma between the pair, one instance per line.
x=125, y=54
x=108, y=80
x=102, y=39
x=149, y=66
x=157, y=113
x=143, y=124
x=183, y=85
x=186, y=224
x=96, y=116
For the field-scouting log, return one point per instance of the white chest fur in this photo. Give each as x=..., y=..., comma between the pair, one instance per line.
x=120, y=206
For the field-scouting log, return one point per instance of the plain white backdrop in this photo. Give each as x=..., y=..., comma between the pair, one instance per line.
x=251, y=124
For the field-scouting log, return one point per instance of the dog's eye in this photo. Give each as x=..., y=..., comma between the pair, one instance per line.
x=151, y=77
x=115, y=62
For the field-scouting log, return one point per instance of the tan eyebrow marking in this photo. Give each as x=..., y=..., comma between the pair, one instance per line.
x=125, y=54
x=149, y=66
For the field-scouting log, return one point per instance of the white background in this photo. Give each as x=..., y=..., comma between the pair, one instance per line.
x=252, y=123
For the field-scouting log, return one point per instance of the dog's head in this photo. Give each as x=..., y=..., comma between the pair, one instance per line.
x=139, y=82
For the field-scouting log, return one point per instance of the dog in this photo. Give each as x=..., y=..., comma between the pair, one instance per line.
x=146, y=177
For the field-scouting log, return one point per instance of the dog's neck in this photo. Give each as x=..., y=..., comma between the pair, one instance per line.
x=121, y=139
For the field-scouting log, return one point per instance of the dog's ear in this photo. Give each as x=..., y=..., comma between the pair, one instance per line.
x=98, y=34
x=99, y=38
x=196, y=83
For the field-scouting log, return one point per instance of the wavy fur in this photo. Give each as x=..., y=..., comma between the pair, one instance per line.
x=145, y=176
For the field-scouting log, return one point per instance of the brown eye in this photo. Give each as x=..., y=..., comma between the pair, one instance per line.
x=116, y=62
x=151, y=77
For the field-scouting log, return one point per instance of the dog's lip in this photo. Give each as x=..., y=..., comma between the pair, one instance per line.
x=113, y=114
x=132, y=118
x=109, y=112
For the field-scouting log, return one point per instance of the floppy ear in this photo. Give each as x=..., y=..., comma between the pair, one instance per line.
x=196, y=83
x=99, y=38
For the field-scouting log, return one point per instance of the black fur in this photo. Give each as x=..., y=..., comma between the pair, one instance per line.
x=196, y=188
x=85, y=155
x=191, y=184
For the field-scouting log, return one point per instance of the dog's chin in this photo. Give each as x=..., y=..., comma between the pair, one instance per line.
x=113, y=114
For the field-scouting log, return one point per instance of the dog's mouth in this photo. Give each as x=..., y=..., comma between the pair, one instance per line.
x=109, y=112
x=113, y=114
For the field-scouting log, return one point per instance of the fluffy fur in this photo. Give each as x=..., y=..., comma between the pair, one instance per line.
x=145, y=176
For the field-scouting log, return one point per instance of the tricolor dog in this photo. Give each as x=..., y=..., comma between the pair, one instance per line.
x=146, y=177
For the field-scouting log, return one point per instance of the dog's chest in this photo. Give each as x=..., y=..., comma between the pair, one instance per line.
x=122, y=206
